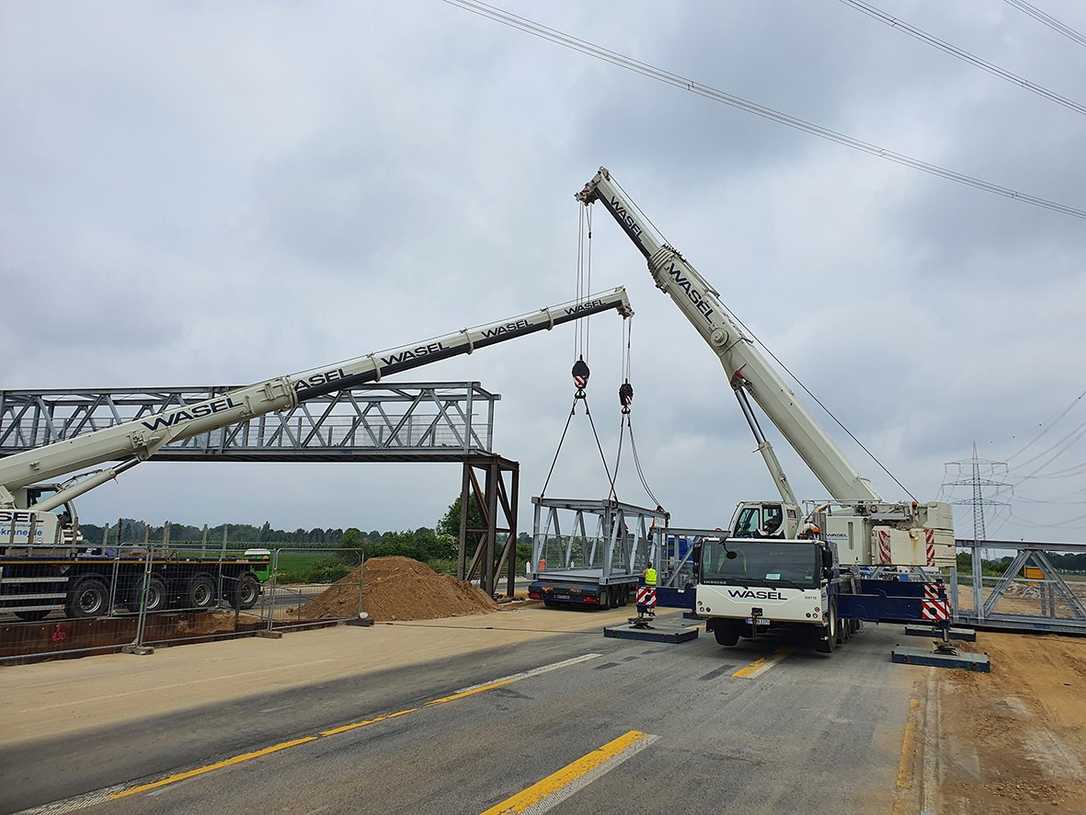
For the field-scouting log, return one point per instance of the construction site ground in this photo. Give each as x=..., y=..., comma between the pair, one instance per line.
x=460, y=715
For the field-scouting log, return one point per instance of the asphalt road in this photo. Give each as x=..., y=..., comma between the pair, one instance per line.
x=721, y=732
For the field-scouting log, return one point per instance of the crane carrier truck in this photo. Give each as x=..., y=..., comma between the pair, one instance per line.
x=44, y=565
x=822, y=566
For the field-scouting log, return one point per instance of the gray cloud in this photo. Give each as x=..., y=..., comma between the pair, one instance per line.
x=225, y=193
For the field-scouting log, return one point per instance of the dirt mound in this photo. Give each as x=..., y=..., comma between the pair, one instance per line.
x=398, y=588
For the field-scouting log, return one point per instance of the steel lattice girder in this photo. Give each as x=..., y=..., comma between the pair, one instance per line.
x=388, y=421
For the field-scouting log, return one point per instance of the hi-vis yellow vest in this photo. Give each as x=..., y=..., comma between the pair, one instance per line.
x=650, y=576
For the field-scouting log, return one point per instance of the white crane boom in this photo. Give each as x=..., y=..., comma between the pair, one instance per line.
x=746, y=367
x=139, y=439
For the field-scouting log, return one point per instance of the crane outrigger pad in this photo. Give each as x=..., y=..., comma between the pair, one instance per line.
x=656, y=631
x=962, y=634
x=908, y=655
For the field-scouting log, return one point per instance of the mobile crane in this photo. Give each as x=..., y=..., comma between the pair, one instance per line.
x=782, y=563
x=40, y=544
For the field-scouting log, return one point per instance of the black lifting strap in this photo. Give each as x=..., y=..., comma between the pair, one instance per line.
x=580, y=380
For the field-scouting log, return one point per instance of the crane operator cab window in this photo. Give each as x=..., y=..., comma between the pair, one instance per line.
x=760, y=521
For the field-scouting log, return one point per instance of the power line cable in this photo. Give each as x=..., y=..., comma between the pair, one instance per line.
x=965, y=56
x=1048, y=20
x=1049, y=425
x=650, y=71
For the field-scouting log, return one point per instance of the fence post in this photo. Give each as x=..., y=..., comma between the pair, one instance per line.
x=269, y=633
x=138, y=647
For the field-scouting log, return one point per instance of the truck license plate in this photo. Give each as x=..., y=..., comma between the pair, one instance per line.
x=761, y=621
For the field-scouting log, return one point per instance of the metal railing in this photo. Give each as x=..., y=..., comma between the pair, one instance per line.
x=1031, y=593
x=413, y=420
x=135, y=597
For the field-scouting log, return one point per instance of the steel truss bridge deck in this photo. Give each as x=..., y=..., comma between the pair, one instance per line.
x=389, y=421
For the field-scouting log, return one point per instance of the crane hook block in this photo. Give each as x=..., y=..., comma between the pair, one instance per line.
x=625, y=396
x=580, y=375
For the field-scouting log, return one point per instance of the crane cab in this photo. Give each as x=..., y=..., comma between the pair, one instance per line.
x=20, y=526
x=765, y=520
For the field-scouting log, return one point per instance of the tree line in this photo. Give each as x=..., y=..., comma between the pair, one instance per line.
x=427, y=544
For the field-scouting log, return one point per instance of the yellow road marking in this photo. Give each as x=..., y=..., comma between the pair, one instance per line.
x=558, y=786
x=759, y=666
x=905, y=763
x=343, y=728
x=906, y=798
x=207, y=768
x=463, y=694
x=333, y=731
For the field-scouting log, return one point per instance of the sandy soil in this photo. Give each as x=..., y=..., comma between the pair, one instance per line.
x=398, y=588
x=1013, y=742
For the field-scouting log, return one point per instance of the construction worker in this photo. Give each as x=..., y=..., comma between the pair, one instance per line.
x=649, y=576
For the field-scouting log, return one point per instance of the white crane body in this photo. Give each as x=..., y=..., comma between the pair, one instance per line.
x=865, y=528
x=26, y=517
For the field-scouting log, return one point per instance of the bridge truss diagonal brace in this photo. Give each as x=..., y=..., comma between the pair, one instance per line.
x=490, y=484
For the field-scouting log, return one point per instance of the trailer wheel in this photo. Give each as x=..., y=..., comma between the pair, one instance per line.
x=623, y=595
x=243, y=592
x=156, y=594
x=200, y=592
x=827, y=634
x=89, y=596
x=726, y=635
x=32, y=616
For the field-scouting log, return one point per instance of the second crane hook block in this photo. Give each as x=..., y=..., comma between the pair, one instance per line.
x=580, y=375
x=625, y=396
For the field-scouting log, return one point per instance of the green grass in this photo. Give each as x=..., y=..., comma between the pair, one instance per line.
x=314, y=567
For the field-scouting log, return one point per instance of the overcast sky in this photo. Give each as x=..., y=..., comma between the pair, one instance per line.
x=198, y=193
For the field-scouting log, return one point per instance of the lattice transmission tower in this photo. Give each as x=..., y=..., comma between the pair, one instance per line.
x=977, y=474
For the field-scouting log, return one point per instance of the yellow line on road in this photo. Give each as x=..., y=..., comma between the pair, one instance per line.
x=759, y=666
x=463, y=693
x=556, y=787
x=343, y=728
x=208, y=768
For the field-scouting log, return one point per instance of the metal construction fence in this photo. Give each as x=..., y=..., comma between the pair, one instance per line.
x=1021, y=586
x=133, y=598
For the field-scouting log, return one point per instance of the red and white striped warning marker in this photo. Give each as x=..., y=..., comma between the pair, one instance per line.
x=884, y=547
x=929, y=545
x=935, y=606
x=646, y=596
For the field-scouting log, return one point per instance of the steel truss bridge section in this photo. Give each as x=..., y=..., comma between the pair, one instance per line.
x=608, y=540
x=387, y=421
x=1030, y=595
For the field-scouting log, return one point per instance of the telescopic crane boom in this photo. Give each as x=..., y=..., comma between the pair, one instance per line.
x=138, y=440
x=747, y=370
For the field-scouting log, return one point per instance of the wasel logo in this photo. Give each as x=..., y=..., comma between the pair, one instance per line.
x=7, y=516
x=585, y=306
x=695, y=296
x=504, y=328
x=323, y=378
x=625, y=218
x=413, y=353
x=749, y=594
x=190, y=413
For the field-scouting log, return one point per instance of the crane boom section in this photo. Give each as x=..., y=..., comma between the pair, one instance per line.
x=744, y=365
x=140, y=438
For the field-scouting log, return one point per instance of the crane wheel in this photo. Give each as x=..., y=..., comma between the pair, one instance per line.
x=726, y=635
x=827, y=635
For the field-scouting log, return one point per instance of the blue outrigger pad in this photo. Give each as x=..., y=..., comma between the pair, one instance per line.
x=908, y=655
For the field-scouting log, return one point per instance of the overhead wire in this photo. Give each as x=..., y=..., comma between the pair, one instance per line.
x=1046, y=426
x=649, y=71
x=965, y=56
x=1048, y=20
